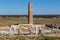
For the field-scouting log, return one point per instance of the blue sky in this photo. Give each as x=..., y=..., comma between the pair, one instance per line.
x=20, y=7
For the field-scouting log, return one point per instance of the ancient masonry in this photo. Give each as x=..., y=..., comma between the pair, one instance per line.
x=30, y=14
x=30, y=20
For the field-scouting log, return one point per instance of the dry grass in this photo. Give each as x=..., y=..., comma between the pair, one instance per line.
x=21, y=20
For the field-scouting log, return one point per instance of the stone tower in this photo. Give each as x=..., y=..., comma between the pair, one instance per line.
x=30, y=14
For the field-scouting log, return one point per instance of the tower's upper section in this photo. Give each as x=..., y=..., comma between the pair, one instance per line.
x=29, y=7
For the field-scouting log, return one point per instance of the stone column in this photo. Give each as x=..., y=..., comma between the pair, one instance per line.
x=30, y=14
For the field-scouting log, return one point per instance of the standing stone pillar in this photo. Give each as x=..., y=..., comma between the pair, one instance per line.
x=30, y=14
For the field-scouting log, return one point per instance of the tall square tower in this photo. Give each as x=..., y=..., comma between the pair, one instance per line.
x=30, y=14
